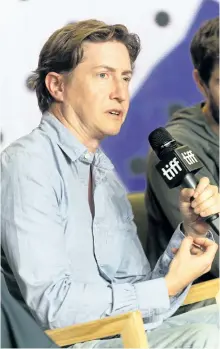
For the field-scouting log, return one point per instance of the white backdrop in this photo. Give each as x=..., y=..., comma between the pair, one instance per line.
x=26, y=25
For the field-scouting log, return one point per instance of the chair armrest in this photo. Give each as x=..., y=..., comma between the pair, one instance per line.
x=129, y=325
x=202, y=291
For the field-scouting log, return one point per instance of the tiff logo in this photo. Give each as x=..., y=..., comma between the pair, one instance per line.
x=189, y=157
x=172, y=169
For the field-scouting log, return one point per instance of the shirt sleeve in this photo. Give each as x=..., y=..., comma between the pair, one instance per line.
x=33, y=243
x=147, y=291
x=32, y=240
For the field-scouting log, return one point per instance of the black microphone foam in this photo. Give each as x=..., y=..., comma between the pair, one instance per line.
x=161, y=141
x=178, y=165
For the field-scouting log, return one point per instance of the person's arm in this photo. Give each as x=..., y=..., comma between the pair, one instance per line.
x=149, y=288
x=174, y=272
x=34, y=245
x=169, y=199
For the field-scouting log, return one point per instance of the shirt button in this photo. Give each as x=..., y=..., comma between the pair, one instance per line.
x=87, y=156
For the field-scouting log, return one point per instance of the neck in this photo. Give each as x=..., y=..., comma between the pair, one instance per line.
x=211, y=121
x=76, y=127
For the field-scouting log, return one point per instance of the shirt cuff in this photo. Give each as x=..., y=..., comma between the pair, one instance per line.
x=124, y=298
x=175, y=241
x=151, y=295
x=145, y=296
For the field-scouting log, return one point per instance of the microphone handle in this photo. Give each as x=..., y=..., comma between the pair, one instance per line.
x=190, y=181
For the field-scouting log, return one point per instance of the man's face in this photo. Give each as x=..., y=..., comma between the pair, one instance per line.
x=98, y=90
x=213, y=94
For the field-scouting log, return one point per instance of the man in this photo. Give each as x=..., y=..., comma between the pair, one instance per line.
x=70, y=245
x=197, y=127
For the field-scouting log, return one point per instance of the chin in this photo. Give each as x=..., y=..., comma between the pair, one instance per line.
x=113, y=131
x=113, y=128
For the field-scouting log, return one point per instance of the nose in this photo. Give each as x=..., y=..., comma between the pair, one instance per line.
x=119, y=91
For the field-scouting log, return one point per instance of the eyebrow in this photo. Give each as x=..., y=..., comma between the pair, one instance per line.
x=125, y=72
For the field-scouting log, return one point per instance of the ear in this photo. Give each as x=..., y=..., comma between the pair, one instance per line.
x=200, y=85
x=55, y=85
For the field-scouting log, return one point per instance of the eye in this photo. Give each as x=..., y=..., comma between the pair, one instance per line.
x=103, y=75
x=127, y=78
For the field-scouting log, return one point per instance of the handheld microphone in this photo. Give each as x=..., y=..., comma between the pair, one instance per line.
x=178, y=165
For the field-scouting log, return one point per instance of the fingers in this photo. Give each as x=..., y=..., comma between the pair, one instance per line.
x=205, y=242
x=196, y=251
x=203, y=184
x=198, y=246
x=188, y=193
x=209, y=208
x=206, y=198
x=209, y=192
x=210, y=249
x=208, y=202
x=186, y=245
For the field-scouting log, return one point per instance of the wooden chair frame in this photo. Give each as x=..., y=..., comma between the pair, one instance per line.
x=129, y=325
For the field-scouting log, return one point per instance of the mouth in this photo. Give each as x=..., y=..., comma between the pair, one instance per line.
x=116, y=113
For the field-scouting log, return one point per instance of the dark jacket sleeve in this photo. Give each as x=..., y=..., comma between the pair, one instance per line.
x=18, y=327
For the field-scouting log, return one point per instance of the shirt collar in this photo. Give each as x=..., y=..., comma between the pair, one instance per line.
x=70, y=144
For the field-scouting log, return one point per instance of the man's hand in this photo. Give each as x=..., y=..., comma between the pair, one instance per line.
x=197, y=204
x=187, y=266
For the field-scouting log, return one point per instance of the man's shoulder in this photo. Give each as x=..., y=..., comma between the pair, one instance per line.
x=188, y=112
x=28, y=150
x=185, y=123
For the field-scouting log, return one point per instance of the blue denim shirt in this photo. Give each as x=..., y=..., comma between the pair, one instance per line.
x=66, y=266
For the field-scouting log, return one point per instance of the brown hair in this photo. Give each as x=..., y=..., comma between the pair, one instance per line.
x=63, y=52
x=205, y=48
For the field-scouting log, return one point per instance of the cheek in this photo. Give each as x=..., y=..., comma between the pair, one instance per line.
x=126, y=107
x=214, y=92
x=216, y=96
x=127, y=102
x=92, y=95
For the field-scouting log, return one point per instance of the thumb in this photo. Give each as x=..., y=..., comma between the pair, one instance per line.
x=208, y=245
x=186, y=244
